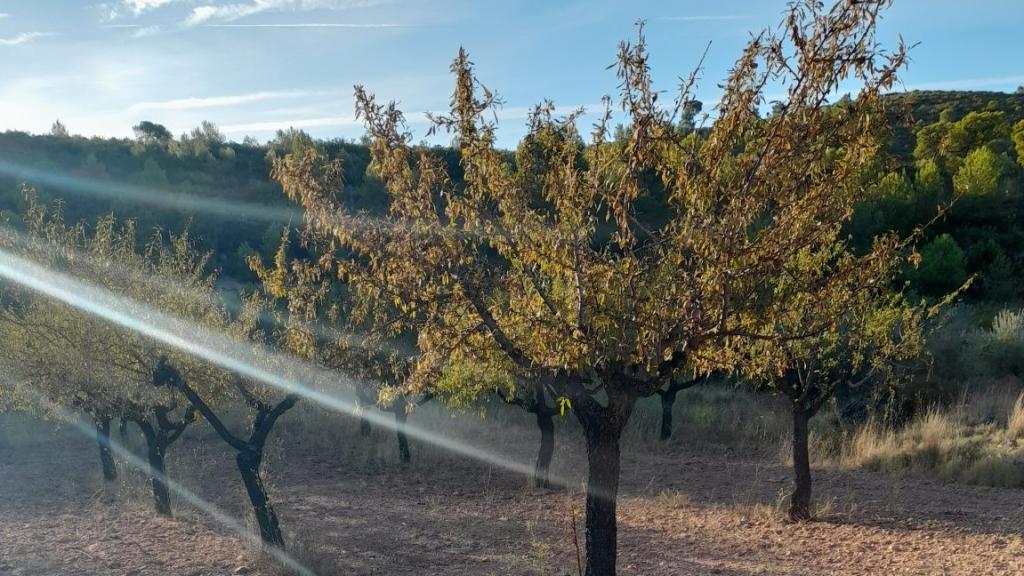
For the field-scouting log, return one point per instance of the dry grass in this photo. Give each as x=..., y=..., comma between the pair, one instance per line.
x=944, y=445
x=672, y=498
x=1015, y=423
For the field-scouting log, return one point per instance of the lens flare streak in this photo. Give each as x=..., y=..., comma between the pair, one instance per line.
x=185, y=494
x=224, y=351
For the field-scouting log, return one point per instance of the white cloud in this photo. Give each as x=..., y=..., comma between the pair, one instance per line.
x=139, y=6
x=23, y=38
x=218, y=101
x=4, y=15
x=230, y=12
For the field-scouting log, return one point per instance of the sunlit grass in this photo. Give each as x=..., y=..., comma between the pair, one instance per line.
x=941, y=444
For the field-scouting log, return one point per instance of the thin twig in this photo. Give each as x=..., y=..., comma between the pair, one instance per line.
x=575, y=536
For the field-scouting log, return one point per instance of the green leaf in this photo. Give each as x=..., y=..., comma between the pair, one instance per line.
x=563, y=405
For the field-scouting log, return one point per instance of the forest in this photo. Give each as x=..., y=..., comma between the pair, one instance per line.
x=796, y=325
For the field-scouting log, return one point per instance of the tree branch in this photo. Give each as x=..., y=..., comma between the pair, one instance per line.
x=199, y=404
x=266, y=424
x=507, y=345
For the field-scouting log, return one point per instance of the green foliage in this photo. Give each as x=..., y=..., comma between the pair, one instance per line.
x=895, y=186
x=942, y=268
x=150, y=133
x=1018, y=141
x=948, y=143
x=979, y=129
x=929, y=182
x=979, y=174
x=1000, y=350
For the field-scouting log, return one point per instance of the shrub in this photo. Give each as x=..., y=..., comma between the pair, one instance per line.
x=942, y=268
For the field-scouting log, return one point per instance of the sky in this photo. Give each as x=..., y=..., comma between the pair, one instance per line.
x=255, y=66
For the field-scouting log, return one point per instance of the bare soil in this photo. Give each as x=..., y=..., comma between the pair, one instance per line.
x=348, y=508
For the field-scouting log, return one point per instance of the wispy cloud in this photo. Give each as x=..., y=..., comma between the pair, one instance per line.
x=146, y=31
x=23, y=38
x=509, y=114
x=969, y=83
x=4, y=15
x=309, y=25
x=230, y=12
x=219, y=101
x=303, y=123
x=708, y=18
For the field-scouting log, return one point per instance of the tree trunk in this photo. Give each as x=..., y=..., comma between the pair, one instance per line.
x=155, y=449
x=106, y=454
x=546, y=423
x=800, y=499
x=249, y=467
x=403, y=441
x=602, y=492
x=668, y=401
x=362, y=404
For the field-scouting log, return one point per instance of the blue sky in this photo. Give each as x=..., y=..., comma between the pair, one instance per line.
x=254, y=66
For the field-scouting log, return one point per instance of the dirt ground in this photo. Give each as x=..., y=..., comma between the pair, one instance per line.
x=348, y=508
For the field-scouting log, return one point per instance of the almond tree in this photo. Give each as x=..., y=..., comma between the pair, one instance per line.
x=79, y=362
x=574, y=290
x=307, y=308
x=852, y=331
x=264, y=404
x=668, y=395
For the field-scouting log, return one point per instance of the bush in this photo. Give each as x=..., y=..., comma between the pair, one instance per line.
x=942, y=269
x=1002, y=347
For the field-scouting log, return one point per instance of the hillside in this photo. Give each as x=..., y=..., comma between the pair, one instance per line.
x=222, y=191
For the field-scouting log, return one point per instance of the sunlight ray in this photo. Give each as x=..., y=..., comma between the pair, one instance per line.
x=226, y=352
x=172, y=287
x=165, y=199
x=218, y=515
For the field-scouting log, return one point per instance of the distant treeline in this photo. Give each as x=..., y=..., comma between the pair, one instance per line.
x=941, y=142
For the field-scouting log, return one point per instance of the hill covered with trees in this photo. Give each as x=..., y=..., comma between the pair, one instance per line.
x=939, y=143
